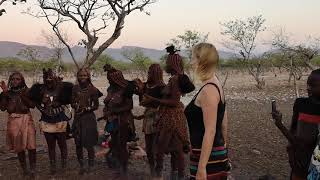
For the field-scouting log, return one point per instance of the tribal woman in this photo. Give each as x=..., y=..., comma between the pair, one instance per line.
x=21, y=133
x=85, y=100
x=172, y=126
x=153, y=87
x=51, y=97
x=118, y=106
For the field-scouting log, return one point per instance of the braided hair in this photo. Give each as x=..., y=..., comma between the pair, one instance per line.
x=155, y=75
x=116, y=77
x=175, y=62
x=23, y=82
x=49, y=74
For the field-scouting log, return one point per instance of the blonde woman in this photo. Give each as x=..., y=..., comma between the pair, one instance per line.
x=207, y=119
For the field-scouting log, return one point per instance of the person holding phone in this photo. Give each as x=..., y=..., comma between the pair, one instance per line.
x=304, y=131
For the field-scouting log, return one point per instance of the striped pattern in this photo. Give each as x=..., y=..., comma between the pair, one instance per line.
x=218, y=164
x=309, y=118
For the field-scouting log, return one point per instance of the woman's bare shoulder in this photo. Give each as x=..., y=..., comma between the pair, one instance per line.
x=209, y=95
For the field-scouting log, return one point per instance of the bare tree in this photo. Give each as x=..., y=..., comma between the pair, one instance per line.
x=14, y=2
x=295, y=57
x=57, y=47
x=303, y=51
x=243, y=35
x=92, y=17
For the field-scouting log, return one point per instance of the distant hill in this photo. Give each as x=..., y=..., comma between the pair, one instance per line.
x=11, y=49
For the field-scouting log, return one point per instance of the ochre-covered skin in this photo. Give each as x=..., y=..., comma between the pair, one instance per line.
x=153, y=87
x=21, y=133
x=85, y=100
x=16, y=99
x=118, y=107
x=173, y=132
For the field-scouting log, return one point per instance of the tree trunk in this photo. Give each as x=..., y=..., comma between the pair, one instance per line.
x=225, y=80
x=257, y=77
x=296, y=90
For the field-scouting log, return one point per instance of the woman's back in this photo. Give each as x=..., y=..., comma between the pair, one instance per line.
x=218, y=164
x=195, y=121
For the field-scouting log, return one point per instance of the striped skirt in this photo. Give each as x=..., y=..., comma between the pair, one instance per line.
x=218, y=165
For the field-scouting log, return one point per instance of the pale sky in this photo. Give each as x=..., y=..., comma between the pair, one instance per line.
x=171, y=17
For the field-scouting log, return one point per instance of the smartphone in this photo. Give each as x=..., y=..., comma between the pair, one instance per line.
x=274, y=105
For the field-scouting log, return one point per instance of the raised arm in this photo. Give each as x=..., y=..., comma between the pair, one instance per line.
x=173, y=97
x=289, y=134
x=3, y=96
x=3, y=101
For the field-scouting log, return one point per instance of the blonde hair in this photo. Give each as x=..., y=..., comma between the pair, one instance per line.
x=207, y=59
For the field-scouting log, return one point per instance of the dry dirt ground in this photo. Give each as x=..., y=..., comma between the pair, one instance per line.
x=256, y=147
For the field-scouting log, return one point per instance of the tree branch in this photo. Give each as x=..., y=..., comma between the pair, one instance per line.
x=2, y=1
x=58, y=34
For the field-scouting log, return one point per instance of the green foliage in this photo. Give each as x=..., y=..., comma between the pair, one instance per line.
x=29, y=53
x=138, y=60
x=106, y=59
x=231, y=63
x=187, y=40
x=16, y=64
x=316, y=61
x=243, y=34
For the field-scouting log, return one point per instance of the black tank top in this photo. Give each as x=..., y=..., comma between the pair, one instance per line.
x=195, y=122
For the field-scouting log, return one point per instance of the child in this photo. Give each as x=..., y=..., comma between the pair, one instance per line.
x=304, y=128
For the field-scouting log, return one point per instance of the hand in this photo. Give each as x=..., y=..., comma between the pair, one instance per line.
x=40, y=128
x=139, y=84
x=201, y=174
x=277, y=116
x=147, y=99
x=4, y=86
